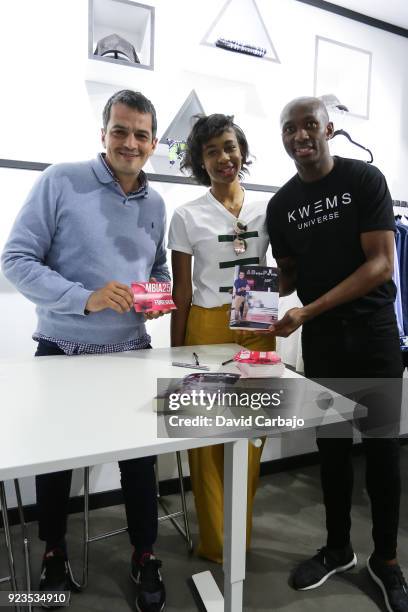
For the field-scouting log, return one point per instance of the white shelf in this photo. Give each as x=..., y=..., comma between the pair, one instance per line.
x=132, y=21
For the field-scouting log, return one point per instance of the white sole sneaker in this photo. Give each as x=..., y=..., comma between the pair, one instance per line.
x=338, y=570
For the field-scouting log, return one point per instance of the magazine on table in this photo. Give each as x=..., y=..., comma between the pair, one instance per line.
x=152, y=296
x=255, y=297
x=208, y=382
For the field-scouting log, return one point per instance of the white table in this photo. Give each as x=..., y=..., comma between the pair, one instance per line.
x=103, y=407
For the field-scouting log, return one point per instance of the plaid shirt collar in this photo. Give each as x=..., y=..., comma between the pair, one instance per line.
x=143, y=184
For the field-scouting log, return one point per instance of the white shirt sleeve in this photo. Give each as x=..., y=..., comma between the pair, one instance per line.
x=178, y=234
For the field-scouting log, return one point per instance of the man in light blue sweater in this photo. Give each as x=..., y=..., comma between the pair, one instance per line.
x=85, y=232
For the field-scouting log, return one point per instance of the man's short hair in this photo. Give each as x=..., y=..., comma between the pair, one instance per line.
x=205, y=128
x=135, y=100
x=303, y=101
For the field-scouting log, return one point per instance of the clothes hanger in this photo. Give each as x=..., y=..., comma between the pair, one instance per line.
x=331, y=101
x=400, y=217
x=347, y=135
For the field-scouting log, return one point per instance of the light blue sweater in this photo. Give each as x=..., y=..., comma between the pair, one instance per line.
x=76, y=232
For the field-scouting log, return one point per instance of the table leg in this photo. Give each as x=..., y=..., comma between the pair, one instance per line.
x=235, y=497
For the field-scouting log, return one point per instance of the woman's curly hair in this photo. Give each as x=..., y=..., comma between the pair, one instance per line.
x=205, y=128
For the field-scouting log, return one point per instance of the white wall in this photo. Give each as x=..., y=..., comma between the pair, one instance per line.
x=52, y=97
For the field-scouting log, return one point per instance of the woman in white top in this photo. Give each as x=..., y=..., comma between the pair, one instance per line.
x=206, y=229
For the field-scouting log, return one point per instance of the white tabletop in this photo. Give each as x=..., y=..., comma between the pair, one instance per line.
x=66, y=412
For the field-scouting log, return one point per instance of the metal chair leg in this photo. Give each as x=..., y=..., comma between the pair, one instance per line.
x=172, y=516
x=85, y=549
x=10, y=557
x=24, y=534
x=87, y=537
x=183, y=503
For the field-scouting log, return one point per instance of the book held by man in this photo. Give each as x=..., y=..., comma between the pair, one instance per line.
x=152, y=296
x=255, y=297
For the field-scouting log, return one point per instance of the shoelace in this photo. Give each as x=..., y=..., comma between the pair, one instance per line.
x=150, y=580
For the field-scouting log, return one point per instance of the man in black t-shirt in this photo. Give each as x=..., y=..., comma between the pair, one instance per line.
x=332, y=233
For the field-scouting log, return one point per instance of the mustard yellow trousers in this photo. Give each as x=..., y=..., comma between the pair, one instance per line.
x=210, y=326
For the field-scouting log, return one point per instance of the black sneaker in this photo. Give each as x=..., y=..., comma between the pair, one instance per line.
x=314, y=572
x=392, y=583
x=54, y=574
x=152, y=595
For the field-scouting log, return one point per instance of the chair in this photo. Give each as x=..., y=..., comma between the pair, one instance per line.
x=184, y=531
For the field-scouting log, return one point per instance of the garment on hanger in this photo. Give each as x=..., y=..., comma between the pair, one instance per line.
x=398, y=301
x=401, y=238
x=401, y=242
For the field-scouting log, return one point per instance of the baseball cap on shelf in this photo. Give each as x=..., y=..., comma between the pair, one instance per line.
x=332, y=102
x=116, y=47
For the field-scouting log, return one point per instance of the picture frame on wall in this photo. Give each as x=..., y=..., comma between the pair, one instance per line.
x=345, y=71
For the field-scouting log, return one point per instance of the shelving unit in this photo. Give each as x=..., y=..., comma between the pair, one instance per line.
x=132, y=21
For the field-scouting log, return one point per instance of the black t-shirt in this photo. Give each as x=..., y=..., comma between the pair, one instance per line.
x=319, y=225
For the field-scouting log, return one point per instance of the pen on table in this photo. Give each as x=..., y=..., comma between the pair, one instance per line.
x=196, y=358
x=180, y=364
x=228, y=361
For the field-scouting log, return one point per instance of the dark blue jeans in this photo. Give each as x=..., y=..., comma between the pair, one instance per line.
x=138, y=483
x=365, y=348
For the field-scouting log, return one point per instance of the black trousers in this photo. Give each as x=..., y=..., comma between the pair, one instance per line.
x=364, y=348
x=138, y=483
